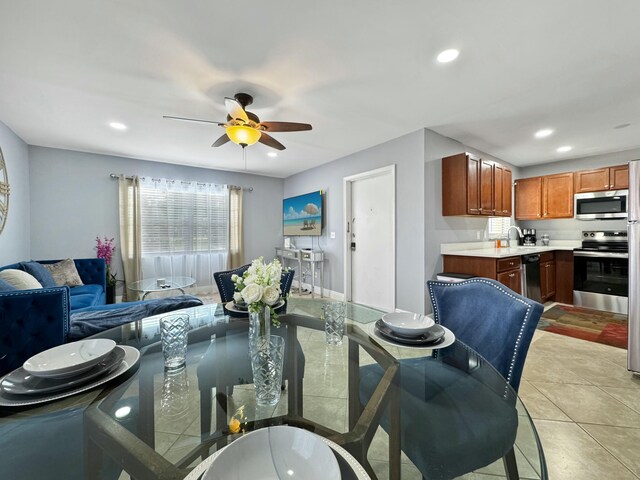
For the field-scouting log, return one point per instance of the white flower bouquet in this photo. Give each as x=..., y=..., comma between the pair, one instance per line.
x=259, y=286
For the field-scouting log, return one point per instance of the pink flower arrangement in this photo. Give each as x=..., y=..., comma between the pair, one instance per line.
x=105, y=248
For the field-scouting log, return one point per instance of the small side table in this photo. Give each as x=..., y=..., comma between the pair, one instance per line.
x=311, y=256
x=150, y=285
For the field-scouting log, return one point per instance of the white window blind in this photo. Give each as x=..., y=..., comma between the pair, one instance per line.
x=183, y=217
x=498, y=227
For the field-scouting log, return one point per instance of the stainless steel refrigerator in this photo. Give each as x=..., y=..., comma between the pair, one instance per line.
x=633, y=227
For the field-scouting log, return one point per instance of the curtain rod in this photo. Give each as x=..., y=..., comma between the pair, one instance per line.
x=233, y=187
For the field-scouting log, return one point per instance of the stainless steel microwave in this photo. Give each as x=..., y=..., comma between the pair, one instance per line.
x=607, y=205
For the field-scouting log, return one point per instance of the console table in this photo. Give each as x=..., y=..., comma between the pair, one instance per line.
x=301, y=255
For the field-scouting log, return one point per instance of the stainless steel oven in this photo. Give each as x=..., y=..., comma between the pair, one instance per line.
x=601, y=272
x=607, y=205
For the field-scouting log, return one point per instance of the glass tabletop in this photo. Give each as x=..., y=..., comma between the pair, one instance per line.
x=160, y=424
x=160, y=284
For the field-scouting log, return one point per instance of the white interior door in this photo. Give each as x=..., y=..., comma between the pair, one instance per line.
x=371, y=239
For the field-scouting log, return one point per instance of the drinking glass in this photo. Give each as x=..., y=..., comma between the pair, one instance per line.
x=334, y=315
x=173, y=332
x=267, y=358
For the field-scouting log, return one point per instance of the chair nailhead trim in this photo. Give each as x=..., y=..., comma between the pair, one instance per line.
x=480, y=280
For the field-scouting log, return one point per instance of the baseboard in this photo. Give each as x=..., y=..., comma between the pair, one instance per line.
x=327, y=293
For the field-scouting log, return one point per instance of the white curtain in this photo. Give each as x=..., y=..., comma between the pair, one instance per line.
x=185, y=230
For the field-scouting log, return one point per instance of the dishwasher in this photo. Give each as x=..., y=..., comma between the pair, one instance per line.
x=531, y=277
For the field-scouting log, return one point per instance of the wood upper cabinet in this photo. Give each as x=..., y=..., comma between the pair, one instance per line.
x=601, y=179
x=619, y=177
x=528, y=198
x=503, y=207
x=557, y=196
x=487, y=200
x=473, y=186
x=545, y=197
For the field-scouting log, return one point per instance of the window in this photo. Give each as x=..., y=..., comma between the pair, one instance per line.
x=498, y=227
x=183, y=217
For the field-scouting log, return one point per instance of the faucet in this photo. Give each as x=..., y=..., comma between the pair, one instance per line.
x=509, y=231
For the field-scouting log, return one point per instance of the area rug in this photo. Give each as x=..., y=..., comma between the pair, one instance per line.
x=592, y=325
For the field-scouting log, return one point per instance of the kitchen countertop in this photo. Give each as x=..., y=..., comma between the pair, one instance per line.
x=481, y=250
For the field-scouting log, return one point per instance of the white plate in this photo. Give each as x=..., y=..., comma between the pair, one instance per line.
x=131, y=357
x=69, y=359
x=358, y=470
x=449, y=339
x=276, y=453
x=407, y=323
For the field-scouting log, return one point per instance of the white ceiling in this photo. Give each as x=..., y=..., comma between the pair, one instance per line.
x=361, y=71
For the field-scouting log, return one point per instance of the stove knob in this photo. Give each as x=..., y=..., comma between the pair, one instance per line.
x=592, y=234
x=585, y=234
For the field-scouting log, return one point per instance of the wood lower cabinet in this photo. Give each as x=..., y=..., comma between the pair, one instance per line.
x=547, y=276
x=505, y=270
x=557, y=196
x=602, y=179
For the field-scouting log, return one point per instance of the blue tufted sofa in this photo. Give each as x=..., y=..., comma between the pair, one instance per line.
x=34, y=320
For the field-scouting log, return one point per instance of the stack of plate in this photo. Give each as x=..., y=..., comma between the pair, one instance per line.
x=65, y=370
x=413, y=329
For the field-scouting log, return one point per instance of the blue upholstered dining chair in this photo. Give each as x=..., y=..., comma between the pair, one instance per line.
x=226, y=288
x=454, y=422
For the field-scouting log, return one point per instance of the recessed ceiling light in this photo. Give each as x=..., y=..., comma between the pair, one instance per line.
x=545, y=132
x=448, y=55
x=118, y=126
x=622, y=125
x=272, y=154
x=564, y=149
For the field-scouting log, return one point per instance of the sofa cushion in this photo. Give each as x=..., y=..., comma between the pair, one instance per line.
x=40, y=272
x=65, y=273
x=6, y=286
x=83, y=301
x=19, y=279
x=86, y=290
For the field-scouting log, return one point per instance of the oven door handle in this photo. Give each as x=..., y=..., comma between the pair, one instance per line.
x=601, y=254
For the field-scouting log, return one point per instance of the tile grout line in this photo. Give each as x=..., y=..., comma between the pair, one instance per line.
x=606, y=449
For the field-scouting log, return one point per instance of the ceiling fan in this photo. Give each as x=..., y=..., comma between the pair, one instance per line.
x=245, y=128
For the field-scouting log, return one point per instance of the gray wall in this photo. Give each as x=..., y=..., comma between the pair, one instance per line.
x=14, y=239
x=407, y=153
x=439, y=229
x=569, y=229
x=73, y=200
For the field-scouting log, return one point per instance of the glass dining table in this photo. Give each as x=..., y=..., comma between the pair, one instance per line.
x=157, y=424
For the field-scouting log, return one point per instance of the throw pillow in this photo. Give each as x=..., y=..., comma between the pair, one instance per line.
x=19, y=279
x=6, y=286
x=40, y=273
x=64, y=273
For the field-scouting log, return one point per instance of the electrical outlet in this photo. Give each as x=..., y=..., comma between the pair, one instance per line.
x=333, y=234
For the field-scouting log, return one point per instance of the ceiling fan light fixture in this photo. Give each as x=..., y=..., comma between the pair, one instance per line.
x=243, y=135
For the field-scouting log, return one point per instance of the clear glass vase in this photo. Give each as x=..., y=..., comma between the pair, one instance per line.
x=260, y=323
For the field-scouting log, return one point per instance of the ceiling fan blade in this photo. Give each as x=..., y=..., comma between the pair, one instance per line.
x=235, y=110
x=271, y=142
x=285, y=126
x=221, y=141
x=191, y=120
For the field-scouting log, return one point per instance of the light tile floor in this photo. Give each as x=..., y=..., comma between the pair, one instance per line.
x=584, y=403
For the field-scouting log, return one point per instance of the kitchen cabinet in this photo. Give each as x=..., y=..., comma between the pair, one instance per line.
x=475, y=186
x=528, y=198
x=557, y=196
x=602, y=179
x=550, y=196
x=505, y=270
x=547, y=276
